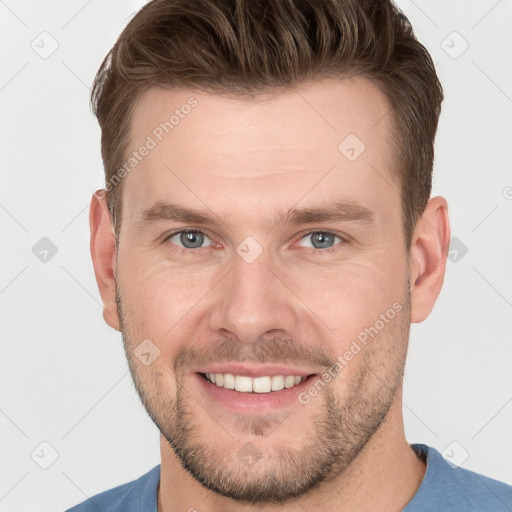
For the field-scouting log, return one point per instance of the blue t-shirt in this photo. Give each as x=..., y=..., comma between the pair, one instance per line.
x=444, y=488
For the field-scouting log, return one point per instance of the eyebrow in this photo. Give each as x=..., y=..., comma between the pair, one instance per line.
x=342, y=211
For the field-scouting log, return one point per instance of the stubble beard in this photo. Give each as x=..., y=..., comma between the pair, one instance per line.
x=341, y=427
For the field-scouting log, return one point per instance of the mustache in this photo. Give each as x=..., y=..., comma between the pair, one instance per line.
x=273, y=350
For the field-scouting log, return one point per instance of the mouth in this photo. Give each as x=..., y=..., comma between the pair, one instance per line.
x=253, y=395
x=247, y=384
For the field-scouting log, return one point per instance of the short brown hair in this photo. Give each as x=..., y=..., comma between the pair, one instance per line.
x=251, y=47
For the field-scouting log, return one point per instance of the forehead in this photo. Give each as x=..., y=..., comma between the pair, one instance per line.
x=332, y=136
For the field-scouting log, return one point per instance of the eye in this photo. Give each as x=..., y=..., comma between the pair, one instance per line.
x=190, y=239
x=322, y=241
x=187, y=241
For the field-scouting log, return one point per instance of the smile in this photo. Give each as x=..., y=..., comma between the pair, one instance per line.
x=245, y=384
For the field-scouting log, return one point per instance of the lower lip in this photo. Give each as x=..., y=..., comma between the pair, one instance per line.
x=238, y=401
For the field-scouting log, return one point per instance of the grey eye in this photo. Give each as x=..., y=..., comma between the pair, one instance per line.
x=321, y=239
x=189, y=239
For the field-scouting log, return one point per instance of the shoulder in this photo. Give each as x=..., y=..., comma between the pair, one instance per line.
x=139, y=494
x=447, y=488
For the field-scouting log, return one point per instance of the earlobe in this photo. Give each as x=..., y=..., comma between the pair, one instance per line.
x=427, y=260
x=103, y=252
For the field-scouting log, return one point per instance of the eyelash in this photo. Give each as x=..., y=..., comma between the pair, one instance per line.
x=182, y=250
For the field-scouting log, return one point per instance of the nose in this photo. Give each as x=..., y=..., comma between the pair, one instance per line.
x=255, y=300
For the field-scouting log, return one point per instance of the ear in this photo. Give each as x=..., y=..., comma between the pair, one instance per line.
x=427, y=258
x=103, y=252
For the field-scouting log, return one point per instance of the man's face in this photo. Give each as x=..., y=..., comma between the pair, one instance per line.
x=255, y=293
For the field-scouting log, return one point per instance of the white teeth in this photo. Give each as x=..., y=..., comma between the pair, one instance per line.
x=229, y=381
x=257, y=385
x=289, y=381
x=243, y=383
x=277, y=382
x=262, y=384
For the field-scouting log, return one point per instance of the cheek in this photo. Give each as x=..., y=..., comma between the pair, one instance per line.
x=158, y=299
x=365, y=308
x=161, y=301
x=351, y=297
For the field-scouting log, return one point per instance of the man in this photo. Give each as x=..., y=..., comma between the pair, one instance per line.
x=265, y=238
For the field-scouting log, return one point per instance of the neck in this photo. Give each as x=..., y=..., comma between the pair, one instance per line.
x=383, y=477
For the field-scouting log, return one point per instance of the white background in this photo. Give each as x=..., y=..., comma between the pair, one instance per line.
x=63, y=375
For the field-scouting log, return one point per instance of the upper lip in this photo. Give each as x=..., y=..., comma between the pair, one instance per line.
x=255, y=370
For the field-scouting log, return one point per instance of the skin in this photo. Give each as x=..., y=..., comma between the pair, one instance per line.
x=247, y=160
